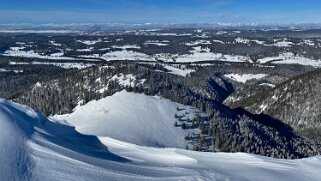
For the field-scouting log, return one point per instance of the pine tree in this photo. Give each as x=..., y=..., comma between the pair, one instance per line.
x=176, y=124
x=183, y=126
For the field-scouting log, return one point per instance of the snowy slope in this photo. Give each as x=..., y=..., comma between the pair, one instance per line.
x=290, y=58
x=177, y=71
x=13, y=146
x=35, y=148
x=244, y=77
x=130, y=117
x=219, y=166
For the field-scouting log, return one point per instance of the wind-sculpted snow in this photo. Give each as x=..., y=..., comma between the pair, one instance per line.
x=33, y=147
x=14, y=153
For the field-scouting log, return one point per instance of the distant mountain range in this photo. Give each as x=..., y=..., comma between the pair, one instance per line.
x=121, y=26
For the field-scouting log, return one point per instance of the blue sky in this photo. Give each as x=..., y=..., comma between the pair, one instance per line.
x=159, y=11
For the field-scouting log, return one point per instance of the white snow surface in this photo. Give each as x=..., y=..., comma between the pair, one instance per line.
x=196, y=55
x=283, y=44
x=126, y=55
x=85, y=50
x=156, y=43
x=258, y=42
x=130, y=117
x=4, y=70
x=199, y=42
x=65, y=65
x=19, y=52
x=204, y=54
x=307, y=42
x=242, y=40
x=33, y=147
x=245, y=77
x=124, y=47
x=219, y=41
x=125, y=80
x=177, y=71
x=290, y=58
x=300, y=61
x=89, y=42
x=54, y=43
x=267, y=84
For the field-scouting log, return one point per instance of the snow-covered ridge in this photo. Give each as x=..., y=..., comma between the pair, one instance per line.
x=130, y=117
x=244, y=77
x=35, y=148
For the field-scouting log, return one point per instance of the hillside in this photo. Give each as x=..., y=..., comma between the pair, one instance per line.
x=135, y=118
x=296, y=102
x=223, y=129
x=49, y=150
